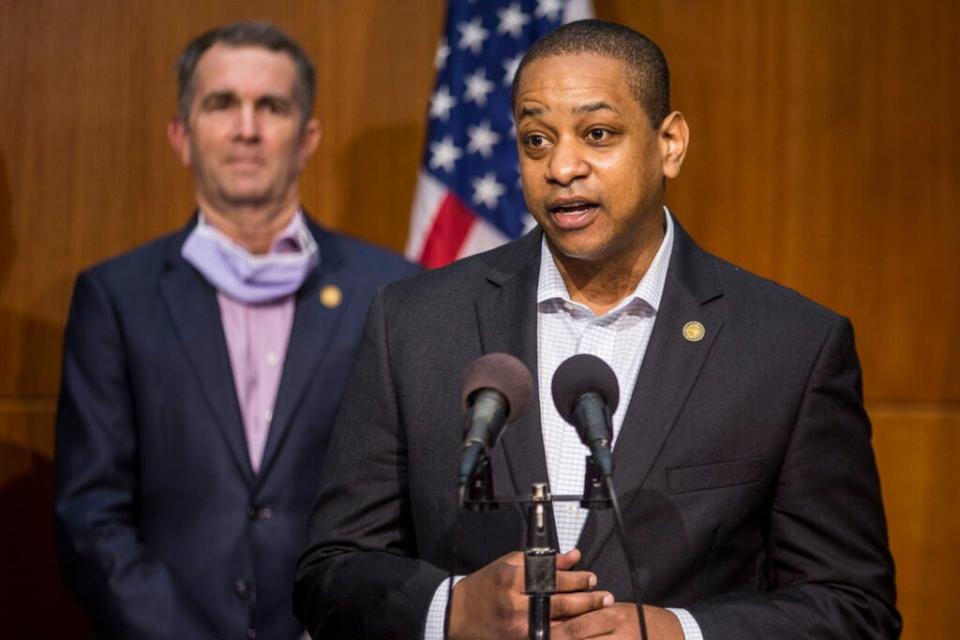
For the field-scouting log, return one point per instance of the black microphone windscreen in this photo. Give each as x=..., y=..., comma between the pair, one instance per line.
x=582, y=374
x=500, y=372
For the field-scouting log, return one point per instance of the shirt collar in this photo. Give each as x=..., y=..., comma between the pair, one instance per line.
x=293, y=238
x=649, y=290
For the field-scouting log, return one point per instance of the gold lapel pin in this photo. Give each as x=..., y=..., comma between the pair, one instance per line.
x=331, y=296
x=693, y=331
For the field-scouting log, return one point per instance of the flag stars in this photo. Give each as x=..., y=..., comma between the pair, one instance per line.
x=482, y=139
x=478, y=87
x=443, y=52
x=441, y=103
x=487, y=190
x=472, y=35
x=510, y=66
x=549, y=9
x=512, y=20
x=444, y=154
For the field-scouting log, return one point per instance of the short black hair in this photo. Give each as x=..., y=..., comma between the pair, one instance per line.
x=647, y=71
x=245, y=34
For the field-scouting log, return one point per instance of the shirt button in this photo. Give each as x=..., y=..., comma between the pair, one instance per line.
x=242, y=588
x=272, y=359
x=268, y=415
x=571, y=508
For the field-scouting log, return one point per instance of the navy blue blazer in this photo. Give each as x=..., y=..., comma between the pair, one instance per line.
x=163, y=528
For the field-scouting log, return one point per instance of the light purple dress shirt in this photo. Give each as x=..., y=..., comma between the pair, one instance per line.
x=257, y=337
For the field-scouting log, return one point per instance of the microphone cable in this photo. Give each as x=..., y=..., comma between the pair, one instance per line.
x=457, y=530
x=631, y=565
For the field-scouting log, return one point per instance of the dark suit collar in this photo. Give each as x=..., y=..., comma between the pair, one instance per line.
x=314, y=327
x=507, y=322
x=671, y=365
x=192, y=303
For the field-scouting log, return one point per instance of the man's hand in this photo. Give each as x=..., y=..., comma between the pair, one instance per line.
x=620, y=621
x=490, y=603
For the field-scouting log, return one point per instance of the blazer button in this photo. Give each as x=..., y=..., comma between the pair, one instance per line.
x=259, y=513
x=242, y=587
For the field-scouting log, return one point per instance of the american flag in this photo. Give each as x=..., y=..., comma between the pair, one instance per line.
x=468, y=196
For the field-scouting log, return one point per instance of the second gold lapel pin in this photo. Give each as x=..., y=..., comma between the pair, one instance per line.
x=331, y=296
x=693, y=331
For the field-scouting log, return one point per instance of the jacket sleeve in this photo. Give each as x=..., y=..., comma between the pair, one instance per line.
x=359, y=576
x=128, y=592
x=827, y=556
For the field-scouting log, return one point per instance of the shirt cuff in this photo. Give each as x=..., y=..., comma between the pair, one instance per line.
x=438, y=610
x=691, y=630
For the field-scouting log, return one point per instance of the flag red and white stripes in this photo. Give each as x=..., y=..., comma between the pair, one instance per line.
x=468, y=196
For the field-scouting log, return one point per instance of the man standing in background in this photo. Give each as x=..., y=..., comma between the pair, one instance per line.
x=202, y=371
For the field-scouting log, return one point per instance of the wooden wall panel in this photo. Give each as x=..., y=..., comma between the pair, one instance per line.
x=84, y=161
x=825, y=154
x=916, y=451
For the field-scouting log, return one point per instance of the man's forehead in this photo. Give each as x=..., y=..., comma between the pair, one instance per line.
x=586, y=80
x=249, y=66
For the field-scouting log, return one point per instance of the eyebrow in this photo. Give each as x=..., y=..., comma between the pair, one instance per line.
x=218, y=95
x=228, y=94
x=530, y=112
x=594, y=106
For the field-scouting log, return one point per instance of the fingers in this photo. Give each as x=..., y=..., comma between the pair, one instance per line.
x=575, y=581
x=615, y=620
x=568, y=559
x=514, y=559
x=510, y=572
x=568, y=605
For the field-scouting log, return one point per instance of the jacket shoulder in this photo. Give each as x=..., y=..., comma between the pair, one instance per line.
x=468, y=277
x=136, y=266
x=765, y=295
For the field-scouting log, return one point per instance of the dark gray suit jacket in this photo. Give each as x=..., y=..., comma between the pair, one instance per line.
x=744, y=463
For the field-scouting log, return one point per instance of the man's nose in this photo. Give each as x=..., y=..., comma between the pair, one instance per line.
x=566, y=162
x=248, y=127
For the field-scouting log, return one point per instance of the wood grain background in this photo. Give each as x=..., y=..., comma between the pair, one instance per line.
x=825, y=154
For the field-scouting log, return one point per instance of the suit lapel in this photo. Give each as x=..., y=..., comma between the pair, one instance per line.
x=314, y=326
x=507, y=321
x=669, y=371
x=192, y=304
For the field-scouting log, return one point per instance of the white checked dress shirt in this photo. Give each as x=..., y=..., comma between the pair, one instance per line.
x=619, y=337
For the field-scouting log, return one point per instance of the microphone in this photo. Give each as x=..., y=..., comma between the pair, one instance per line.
x=496, y=390
x=586, y=393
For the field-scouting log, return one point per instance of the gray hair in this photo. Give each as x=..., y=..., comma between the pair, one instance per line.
x=245, y=34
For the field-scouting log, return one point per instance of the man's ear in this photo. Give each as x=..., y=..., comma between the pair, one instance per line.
x=674, y=135
x=309, y=140
x=179, y=136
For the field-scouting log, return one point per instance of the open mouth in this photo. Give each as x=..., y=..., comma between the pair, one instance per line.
x=573, y=214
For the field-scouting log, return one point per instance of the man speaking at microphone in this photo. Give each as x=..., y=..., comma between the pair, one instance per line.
x=741, y=447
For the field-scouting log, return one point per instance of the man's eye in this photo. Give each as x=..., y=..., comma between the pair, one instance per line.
x=275, y=106
x=218, y=103
x=598, y=135
x=536, y=140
